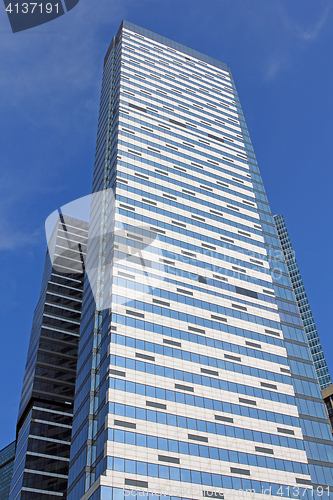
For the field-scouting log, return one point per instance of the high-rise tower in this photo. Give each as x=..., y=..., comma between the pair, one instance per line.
x=7, y=456
x=46, y=408
x=316, y=349
x=194, y=374
x=310, y=329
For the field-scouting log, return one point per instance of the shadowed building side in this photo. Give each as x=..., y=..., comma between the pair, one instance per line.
x=7, y=456
x=46, y=408
x=327, y=394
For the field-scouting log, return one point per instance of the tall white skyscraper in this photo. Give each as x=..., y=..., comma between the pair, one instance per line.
x=194, y=375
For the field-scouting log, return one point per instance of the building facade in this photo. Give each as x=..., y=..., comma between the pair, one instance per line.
x=194, y=376
x=46, y=408
x=327, y=395
x=316, y=350
x=7, y=456
x=309, y=325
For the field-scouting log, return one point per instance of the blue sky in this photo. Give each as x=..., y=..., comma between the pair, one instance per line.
x=280, y=54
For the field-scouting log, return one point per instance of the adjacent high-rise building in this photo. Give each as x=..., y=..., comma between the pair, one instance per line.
x=7, y=455
x=309, y=325
x=327, y=395
x=316, y=350
x=194, y=375
x=46, y=408
x=194, y=378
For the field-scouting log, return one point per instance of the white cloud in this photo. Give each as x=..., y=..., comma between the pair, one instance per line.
x=311, y=33
x=276, y=65
x=291, y=39
x=13, y=239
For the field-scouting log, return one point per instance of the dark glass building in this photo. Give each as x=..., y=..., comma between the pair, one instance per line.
x=7, y=456
x=46, y=408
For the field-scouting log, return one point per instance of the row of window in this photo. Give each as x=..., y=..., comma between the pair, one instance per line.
x=220, y=103
x=238, y=184
x=178, y=227
x=298, y=351
x=223, y=109
x=286, y=306
x=204, y=478
x=197, y=379
x=181, y=106
x=216, y=283
x=212, y=323
x=242, y=173
x=185, y=95
x=150, y=205
x=206, y=250
x=232, y=133
x=318, y=451
x=214, y=215
x=162, y=45
x=153, y=109
x=169, y=200
x=201, y=279
x=200, y=73
x=200, y=450
x=192, y=336
x=190, y=301
x=139, y=150
x=164, y=66
x=177, y=353
x=201, y=425
x=211, y=252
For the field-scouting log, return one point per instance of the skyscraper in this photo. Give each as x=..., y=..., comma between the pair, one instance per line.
x=194, y=376
x=316, y=350
x=7, y=456
x=309, y=325
x=46, y=408
x=327, y=394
